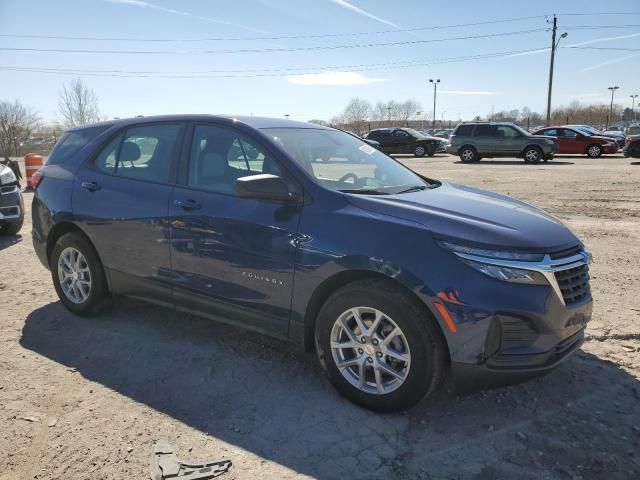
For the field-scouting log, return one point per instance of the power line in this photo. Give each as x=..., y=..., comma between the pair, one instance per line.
x=279, y=37
x=263, y=73
x=270, y=50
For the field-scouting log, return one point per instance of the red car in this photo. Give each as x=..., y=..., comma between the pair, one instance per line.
x=574, y=140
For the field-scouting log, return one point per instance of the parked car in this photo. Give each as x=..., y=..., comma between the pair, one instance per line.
x=574, y=140
x=407, y=140
x=474, y=140
x=373, y=143
x=632, y=146
x=633, y=129
x=11, y=202
x=443, y=133
x=589, y=130
x=395, y=279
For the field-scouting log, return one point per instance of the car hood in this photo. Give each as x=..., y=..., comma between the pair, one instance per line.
x=543, y=137
x=603, y=138
x=473, y=216
x=429, y=137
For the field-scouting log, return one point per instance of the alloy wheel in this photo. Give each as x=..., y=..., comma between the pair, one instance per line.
x=594, y=151
x=532, y=155
x=467, y=155
x=419, y=151
x=74, y=275
x=370, y=350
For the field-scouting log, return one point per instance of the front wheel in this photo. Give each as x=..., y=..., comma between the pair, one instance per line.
x=78, y=276
x=594, y=151
x=419, y=151
x=532, y=155
x=381, y=351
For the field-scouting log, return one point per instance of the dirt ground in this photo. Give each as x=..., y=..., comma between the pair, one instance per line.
x=86, y=399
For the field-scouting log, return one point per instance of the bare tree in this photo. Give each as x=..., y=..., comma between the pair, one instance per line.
x=78, y=104
x=405, y=110
x=16, y=124
x=356, y=114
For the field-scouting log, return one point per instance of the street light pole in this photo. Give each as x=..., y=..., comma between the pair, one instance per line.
x=554, y=46
x=613, y=90
x=633, y=113
x=435, y=92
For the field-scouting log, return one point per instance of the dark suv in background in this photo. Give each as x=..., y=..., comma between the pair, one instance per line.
x=407, y=140
x=396, y=280
x=473, y=141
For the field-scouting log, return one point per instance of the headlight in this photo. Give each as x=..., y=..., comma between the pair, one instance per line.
x=500, y=254
x=6, y=175
x=507, y=274
x=499, y=272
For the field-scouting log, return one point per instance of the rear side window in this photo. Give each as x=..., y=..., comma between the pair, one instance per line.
x=464, y=130
x=142, y=153
x=71, y=143
x=485, y=131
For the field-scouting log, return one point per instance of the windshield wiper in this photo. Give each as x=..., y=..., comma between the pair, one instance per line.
x=364, y=191
x=413, y=188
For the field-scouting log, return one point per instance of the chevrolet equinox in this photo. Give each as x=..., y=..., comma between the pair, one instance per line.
x=397, y=281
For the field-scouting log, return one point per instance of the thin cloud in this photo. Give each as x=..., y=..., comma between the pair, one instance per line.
x=609, y=62
x=172, y=11
x=333, y=79
x=466, y=92
x=604, y=39
x=359, y=11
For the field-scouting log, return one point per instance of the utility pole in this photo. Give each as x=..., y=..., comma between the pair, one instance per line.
x=613, y=90
x=435, y=93
x=633, y=113
x=554, y=45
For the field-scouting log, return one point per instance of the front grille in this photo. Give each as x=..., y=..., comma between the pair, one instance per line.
x=574, y=284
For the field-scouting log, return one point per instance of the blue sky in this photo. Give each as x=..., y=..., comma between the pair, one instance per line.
x=317, y=82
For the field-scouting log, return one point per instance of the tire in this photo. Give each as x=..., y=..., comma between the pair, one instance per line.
x=468, y=155
x=92, y=299
x=431, y=150
x=419, y=341
x=12, y=228
x=419, y=151
x=594, y=150
x=532, y=154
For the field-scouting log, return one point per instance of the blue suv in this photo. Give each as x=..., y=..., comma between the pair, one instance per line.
x=307, y=233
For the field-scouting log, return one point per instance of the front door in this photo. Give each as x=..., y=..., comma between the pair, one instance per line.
x=508, y=140
x=232, y=258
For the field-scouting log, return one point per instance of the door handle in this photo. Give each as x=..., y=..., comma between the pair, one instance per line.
x=187, y=204
x=91, y=186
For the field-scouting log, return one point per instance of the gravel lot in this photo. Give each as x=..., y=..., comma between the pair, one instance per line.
x=86, y=399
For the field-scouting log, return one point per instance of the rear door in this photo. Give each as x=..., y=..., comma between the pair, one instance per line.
x=232, y=258
x=121, y=200
x=485, y=140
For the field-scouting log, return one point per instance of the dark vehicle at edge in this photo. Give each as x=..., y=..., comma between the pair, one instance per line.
x=395, y=279
x=11, y=202
x=632, y=146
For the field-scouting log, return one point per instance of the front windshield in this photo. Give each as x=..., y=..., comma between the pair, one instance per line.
x=413, y=132
x=342, y=162
x=586, y=130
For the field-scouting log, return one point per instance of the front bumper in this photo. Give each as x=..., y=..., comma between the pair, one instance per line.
x=468, y=378
x=610, y=149
x=11, y=205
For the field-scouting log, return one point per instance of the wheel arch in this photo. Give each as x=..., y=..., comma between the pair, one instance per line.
x=340, y=279
x=529, y=145
x=63, y=228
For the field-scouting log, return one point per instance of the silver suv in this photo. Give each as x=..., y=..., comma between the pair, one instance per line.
x=472, y=141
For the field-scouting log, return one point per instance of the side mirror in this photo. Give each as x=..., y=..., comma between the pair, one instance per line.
x=265, y=187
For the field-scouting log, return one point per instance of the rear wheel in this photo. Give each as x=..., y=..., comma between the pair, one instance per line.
x=594, y=151
x=380, y=351
x=468, y=155
x=532, y=155
x=78, y=276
